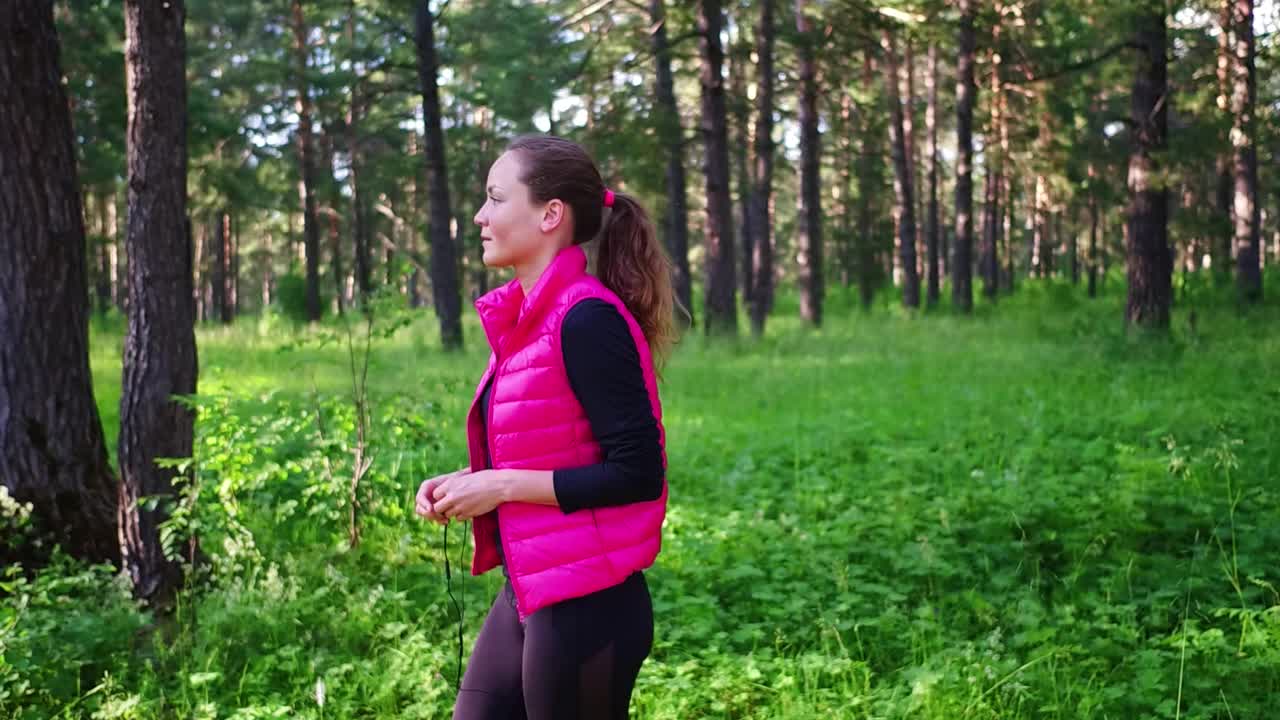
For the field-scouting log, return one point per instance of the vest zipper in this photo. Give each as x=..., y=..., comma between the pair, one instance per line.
x=506, y=546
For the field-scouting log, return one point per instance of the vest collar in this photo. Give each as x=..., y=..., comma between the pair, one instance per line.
x=503, y=310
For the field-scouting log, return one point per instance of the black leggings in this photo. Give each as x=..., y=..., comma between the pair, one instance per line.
x=574, y=660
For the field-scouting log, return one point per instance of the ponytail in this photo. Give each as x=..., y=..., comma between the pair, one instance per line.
x=630, y=261
x=633, y=264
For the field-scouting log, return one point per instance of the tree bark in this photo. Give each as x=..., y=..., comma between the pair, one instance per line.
x=845, y=169
x=445, y=288
x=52, y=451
x=1246, y=210
x=868, y=180
x=108, y=282
x=761, y=300
x=306, y=161
x=909, y=128
x=961, y=263
x=809, y=257
x=676, y=220
x=1041, y=248
x=1150, y=264
x=327, y=214
x=221, y=240
x=415, y=215
x=994, y=179
x=931, y=169
x=360, y=230
x=1222, y=248
x=1073, y=253
x=1006, y=193
x=1092, y=260
x=904, y=206
x=160, y=348
x=721, y=287
x=739, y=59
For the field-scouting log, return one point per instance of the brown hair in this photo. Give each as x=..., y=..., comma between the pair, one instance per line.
x=630, y=262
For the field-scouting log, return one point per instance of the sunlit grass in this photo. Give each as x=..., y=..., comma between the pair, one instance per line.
x=899, y=515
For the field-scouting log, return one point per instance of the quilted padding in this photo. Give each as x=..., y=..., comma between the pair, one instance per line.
x=535, y=422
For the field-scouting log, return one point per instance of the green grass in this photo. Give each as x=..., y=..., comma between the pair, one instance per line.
x=1020, y=514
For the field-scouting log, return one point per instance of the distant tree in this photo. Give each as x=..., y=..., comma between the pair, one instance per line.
x=809, y=239
x=306, y=157
x=447, y=292
x=721, y=288
x=904, y=206
x=1246, y=209
x=1150, y=262
x=675, y=223
x=761, y=300
x=931, y=174
x=962, y=259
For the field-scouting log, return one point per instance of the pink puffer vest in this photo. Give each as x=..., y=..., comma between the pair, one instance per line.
x=536, y=423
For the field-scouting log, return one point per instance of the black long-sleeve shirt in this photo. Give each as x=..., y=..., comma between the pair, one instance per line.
x=604, y=371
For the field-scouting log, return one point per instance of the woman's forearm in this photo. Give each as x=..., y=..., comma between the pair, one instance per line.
x=531, y=486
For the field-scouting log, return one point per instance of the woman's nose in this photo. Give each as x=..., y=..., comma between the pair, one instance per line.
x=477, y=219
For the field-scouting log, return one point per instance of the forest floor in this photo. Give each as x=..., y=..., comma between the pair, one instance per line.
x=1021, y=514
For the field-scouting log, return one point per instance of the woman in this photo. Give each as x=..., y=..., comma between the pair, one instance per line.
x=567, y=482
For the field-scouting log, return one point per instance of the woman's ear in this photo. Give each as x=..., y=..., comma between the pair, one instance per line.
x=553, y=214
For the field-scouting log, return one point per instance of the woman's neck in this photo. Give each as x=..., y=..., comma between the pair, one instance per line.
x=529, y=272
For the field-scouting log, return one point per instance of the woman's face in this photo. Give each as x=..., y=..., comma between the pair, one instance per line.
x=512, y=226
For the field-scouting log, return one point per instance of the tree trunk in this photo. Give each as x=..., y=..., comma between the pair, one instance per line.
x=994, y=179
x=108, y=282
x=961, y=264
x=200, y=273
x=809, y=235
x=359, y=211
x=908, y=69
x=1092, y=260
x=306, y=161
x=931, y=169
x=868, y=181
x=761, y=300
x=360, y=230
x=845, y=167
x=721, y=287
x=1073, y=253
x=739, y=58
x=332, y=200
x=160, y=348
x=1150, y=264
x=235, y=267
x=990, y=228
x=1224, y=165
x=52, y=451
x=1246, y=210
x=415, y=216
x=339, y=269
x=676, y=221
x=445, y=289
x=1041, y=250
x=1006, y=193
x=904, y=205
x=219, y=274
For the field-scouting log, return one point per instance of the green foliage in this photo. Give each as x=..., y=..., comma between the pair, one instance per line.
x=61, y=635
x=291, y=297
x=1017, y=515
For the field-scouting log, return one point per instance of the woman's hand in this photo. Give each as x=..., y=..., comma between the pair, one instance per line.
x=423, y=504
x=468, y=495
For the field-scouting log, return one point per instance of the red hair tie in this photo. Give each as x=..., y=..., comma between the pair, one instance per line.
x=608, y=198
